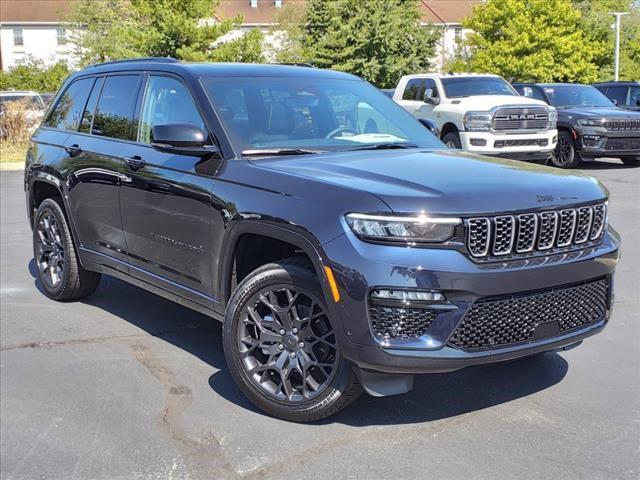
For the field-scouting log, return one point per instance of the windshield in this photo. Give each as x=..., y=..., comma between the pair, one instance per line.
x=468, y=86
x=564, y=96
x=305, y=115
x=31, y=101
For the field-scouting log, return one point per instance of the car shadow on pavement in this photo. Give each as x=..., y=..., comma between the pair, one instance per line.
x=434, y=397
x=602, y=164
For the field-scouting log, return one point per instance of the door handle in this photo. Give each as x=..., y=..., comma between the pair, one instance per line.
x=73, y=150
x=134, y=163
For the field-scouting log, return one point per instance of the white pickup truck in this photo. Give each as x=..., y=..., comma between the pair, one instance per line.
x=481, y=114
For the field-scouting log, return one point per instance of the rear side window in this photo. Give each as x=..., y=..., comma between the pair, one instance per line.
x=113, y=117
x=68, y=111
x=414, y=89
x=167, y=100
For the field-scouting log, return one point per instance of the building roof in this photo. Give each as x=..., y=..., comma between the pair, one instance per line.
x=33, y=11
x=54, y=11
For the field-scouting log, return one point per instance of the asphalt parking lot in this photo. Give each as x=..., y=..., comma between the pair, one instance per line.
x=128, y=385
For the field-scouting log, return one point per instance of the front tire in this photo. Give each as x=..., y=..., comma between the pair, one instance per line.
x=565, y=155
x=59, y=270
x=452, y=140
x=281, y=346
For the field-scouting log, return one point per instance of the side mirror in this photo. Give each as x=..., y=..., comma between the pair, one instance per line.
x=638, y=103
x=615, y=102
x=181, y=139
x=430, y=98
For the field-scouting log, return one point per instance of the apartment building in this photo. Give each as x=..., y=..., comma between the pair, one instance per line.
x=37, y=28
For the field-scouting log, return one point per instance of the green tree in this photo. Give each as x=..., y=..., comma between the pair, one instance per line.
x=379, y=41
x=184, y=29
x=34, y=75
x=529, y=40
x=597, y=21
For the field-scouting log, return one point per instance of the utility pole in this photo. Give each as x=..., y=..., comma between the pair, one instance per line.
x=617, y=52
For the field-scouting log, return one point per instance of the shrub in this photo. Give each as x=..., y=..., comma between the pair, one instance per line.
x=16, y=122
x=34, y=75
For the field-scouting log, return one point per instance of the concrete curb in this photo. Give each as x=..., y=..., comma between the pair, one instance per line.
x=12, y=166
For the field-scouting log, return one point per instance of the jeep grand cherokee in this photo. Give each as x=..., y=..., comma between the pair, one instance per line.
x=341, y=244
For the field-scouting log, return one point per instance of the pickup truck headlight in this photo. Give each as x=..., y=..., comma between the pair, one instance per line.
x=592, y=122
x=553, y=118
x=418, y=229
x=477, y=121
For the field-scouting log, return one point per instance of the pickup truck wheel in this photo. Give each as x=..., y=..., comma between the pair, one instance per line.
x=281, y=346
x=59, y=269
x=452, y=140
x=565, y=154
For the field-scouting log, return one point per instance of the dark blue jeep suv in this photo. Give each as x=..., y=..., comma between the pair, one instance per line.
x=341, y=244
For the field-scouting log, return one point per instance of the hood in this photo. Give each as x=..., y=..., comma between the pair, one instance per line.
x=444, y=181
x=597, y=112
x=485, y=102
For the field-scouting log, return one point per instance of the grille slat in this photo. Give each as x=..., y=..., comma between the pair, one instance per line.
x=627, y=125
x=494, y=323
x=529, y=232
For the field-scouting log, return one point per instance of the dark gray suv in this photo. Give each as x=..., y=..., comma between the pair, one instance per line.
x=341, y=244
x=590, y=125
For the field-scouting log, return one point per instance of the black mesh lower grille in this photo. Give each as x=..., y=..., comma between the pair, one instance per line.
x=398, y=322
x=496, y=322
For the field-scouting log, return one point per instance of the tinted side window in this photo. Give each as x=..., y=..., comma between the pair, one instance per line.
x=429, y=83
x=414, y=89
x=619, y=94
x=113, y=117
x=68, y=111
x=167, y=100
x=89, y=110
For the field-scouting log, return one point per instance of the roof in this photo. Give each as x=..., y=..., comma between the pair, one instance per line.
x=54, y=11
x=624, y=83
x=33, y=11
x=449, y=75
x=215, y=69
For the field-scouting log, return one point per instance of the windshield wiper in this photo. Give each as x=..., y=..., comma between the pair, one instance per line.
x=385, y=146
x=278, y=151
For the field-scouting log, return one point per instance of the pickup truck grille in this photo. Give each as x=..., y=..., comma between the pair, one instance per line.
x=623, y=125
x=535, y=232
x=521, y=118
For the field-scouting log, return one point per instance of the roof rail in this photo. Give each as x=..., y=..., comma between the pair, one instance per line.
x=297, y=64
x=133, y=60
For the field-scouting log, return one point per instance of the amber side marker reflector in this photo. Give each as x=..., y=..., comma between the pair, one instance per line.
x=332, y=283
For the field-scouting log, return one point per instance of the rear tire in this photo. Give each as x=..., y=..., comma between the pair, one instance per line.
x=452, y=140
x=299, y=375
x=565, y=155
x=59, y=270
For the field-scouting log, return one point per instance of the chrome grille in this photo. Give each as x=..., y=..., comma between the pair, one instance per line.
x=531, y=232
x=521, y=118
x=623, y=125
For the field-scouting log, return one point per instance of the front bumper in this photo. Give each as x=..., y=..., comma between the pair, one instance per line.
x=599, y=142
x=509, y=145
x=361, y=266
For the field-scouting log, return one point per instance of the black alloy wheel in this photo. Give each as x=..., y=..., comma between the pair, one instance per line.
x=565, y=154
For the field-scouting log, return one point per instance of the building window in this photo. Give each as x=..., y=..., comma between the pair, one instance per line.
x=254, y=3
x=61, y=35
x=458, y=33
x=17, y=36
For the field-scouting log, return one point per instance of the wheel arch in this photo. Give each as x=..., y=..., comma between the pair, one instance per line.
x=299, y=243
x=448, y=127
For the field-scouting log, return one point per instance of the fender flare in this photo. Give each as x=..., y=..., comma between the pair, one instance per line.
x=304, y=241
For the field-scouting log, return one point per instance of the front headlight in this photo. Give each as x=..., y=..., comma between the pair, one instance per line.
x=477, y=121
x=553, y=118
x=591, y=122
x=418, y=229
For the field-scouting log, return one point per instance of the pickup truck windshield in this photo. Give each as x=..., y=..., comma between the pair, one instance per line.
x=470, y=86
x=566, y=96
x=300, y=115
